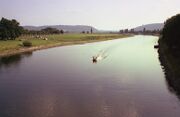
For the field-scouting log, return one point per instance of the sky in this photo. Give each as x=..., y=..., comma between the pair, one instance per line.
x=102, y=14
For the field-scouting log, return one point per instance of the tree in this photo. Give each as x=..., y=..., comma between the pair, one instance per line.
x=132, y=31
x=10, y=29
x=50, y=30
x=126, y=31
x=121, y=31
x=171, y=32
x=62, y=31
x=91, y=30
x=144, y=30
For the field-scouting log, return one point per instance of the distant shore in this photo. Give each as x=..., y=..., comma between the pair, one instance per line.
x=12, y=47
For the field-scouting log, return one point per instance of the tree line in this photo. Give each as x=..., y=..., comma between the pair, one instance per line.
x=11, y=29
x=144, y=31
x=47, y=30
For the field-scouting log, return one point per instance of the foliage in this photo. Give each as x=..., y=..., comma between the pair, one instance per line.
x=171, y=33
x=61, y=31
x=45, y=31
x=169, y=51
x=27, y=44
x=9, y=29
x=50, y=30
x=143, y=32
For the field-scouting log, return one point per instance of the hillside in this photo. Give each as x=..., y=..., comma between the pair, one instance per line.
x=151, y=27
x=69, y=28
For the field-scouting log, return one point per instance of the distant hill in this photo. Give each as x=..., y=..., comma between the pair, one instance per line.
x=151, y=27
x=69, y=28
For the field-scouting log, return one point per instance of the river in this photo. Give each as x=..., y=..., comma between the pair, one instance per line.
x=64, y=82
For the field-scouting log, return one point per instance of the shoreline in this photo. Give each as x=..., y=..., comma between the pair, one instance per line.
x=171, y=71
x=41, y=47
x=168, y=61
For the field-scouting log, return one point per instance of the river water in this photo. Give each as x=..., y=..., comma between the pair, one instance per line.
x=64, y=82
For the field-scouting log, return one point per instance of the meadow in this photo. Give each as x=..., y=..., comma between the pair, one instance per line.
x=46, y=41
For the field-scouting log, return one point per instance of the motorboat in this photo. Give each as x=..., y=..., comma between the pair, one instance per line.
x=94, y=59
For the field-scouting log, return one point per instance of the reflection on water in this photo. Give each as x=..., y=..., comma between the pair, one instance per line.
x=8, y=61
x=63, y=82
x=173, y=81
x=173, y=85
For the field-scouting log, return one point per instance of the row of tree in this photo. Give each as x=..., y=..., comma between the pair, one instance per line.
x=47, y=30
x=144, y=31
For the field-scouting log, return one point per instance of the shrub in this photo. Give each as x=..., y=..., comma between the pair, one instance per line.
x=27, y=44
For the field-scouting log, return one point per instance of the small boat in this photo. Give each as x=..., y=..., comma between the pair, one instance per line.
x=94, y=59
x=156, y=46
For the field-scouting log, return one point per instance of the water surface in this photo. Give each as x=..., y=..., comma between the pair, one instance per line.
x=64, y=82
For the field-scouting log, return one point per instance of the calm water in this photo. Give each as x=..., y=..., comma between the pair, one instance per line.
x=63, y=82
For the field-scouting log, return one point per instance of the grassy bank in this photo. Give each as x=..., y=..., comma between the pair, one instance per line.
x=11, y=47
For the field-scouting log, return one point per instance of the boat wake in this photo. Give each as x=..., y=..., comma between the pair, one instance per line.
x=104, y=53
x=100, y=56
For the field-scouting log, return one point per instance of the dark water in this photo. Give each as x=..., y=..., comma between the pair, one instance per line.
x=63, y=82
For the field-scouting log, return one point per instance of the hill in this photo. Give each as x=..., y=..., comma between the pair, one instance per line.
x=151, y=27
x=68, y=28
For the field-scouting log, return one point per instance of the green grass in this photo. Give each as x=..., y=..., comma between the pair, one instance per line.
x=9, y=45
x=14, y=45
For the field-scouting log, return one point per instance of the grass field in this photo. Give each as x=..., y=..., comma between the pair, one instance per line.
x=11, y=46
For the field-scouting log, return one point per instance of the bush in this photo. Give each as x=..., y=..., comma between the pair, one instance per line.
x=27, y=44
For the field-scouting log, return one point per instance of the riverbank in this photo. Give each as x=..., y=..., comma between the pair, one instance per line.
x=169, y=61
x=12, y=47
x=171, y=67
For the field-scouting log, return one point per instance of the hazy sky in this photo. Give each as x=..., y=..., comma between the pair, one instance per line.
x=102, y=14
